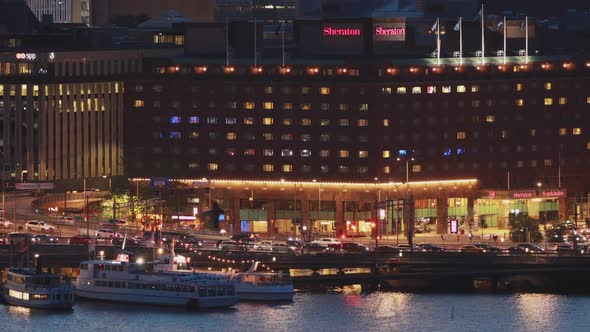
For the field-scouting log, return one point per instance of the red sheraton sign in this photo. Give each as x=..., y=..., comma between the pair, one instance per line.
x=381, y=31
x=523, y=194
x=329, y=31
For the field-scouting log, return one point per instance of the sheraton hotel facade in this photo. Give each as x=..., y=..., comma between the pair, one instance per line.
x=304, y=131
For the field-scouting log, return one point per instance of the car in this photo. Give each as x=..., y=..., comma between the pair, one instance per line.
x=66, y=219
x=327, y=241
x=429, y=247
x=112, y=223
x=488, y=248
x=314, y=248
x=106, y=233
x=387, y=249
x=471, y=248
x=531, y=248
x=5, y=223
x=351, y=247
x=280, y=247
x=229, y=245
x=583, y=248
x=245, y=238
x=295, y=245
x=39, y=226
x=404, y=247
x=568, y=249
x=263, y=245
x=80, y=239
x=44, y=238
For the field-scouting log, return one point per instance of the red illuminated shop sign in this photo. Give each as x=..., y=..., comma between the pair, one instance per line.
x=329, y=31
x=381, y=31
x=553, y=193
x=523, y=194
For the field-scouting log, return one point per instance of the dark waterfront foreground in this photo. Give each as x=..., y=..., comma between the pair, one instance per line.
x=348, y=310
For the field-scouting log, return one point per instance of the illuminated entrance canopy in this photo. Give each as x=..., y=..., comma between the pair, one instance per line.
x=524, y=194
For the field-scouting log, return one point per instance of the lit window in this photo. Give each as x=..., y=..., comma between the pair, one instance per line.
x=401, y=90
x=363, y=170
x=193, y=135
x=548, y=162
x=519, y=86
x=212, y=166
x=343, y=169
x=430, y=89
x=287, y=122
x=386, y=169
x=475, y=88
x=268, y=89
x=305, y=107
x=363, y=107
x=268, y=105
x=520, y=102
x=587, y=100
x=306, y=122
x=287, y=137
x=342, y=107
x=267, y=136
x=286, y=153
x=174, y=119
x=325, y=168
x=324, y=106
x=548, y=101
x=504, y=133
x=267, y=121
x=386, y=154
x=461, y=88
x=232, y=105
x=324, y=122
x=343, y=153
x=248, y=121
x=305, y=90
x=249, y=152
x=363, y=122
x=533, y=132
x=287, y=168
x=249, y=105
x=326, y=153
x=385, y=122
x=193, y=165
x=363, y=154
x=193, y=119
x=343, y=122
x=212, y=120
x=490, y=118
x=547, y=86
x=577, y=131
x=588, y=146
x=562, y=101
x=268, y=152
x=475, y=103
x=287, y=106
x=305, y=153
x=138, y=103
x=460, y=151
x=268, y=167
x=446, y=89
x=461, y=135
x=175, y=135
x=386, y=91
x=231, y=136
x=416, y=168
x=230, y=152
x=324, y=137
x=562, y=131
x=416, y=90
x=324, y=90
x=305, y=137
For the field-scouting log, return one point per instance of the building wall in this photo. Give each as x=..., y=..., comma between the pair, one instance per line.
x=104, y=10
x=64, y=11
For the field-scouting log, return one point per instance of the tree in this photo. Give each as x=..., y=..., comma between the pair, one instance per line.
x=524, y=228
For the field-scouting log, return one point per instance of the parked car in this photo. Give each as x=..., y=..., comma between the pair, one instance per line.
x=39, y=226
x=404, y=247
x=66, y=219
x=44, y=238
x=113, y=223
x=314, y=248
x=351, y=247
x=429, y=247
x=280, y=247
x=531, y=248
x=263, y=245
x=80, y=239
x=326, y=241
x=471, y=248
x=245, y=238
x=229, y=245
x=488, y=248
x=387, y=249
x=106, y=233
x=295, y=245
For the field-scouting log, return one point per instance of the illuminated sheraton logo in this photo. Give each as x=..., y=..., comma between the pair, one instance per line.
x=381, y=31
x=330, y=31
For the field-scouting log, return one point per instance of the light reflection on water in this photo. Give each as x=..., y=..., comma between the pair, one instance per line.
x=335, y=311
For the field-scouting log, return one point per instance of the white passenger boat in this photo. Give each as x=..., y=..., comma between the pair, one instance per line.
x=120, y=281
x=33, y=289
x=264, y=286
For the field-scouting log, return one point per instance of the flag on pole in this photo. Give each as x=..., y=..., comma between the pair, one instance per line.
x=478, y=14
x=500, y=25
x=434, y=26
x=457, y=26
x=522, y=25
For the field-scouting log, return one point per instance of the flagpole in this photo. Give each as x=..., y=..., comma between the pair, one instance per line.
x=226, y=43
x=460, y=41
x=482, y=36
x=283, y=41
x=438, y=41
x=504, y=39
x=526, y=37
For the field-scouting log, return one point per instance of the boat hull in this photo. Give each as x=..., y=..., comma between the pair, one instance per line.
x=266, y=296
x=38, y=304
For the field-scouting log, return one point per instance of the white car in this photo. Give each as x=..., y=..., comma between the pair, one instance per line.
x=326, y=241
x=5, y=223
x=263, y=245
x=38, y=226
x=281, y=247
x=106, y=233
x=66, y=219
